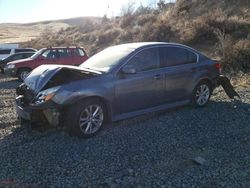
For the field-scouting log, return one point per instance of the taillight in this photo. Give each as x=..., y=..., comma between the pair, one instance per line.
x=218, y=67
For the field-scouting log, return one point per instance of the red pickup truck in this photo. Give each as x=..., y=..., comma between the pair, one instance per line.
x=54, y=55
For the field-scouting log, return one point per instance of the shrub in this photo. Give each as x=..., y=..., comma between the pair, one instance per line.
x=145, y=19
x=158, y=31
x=125, y=36
x=107, y=37
x=127, y=21
x=236, y=55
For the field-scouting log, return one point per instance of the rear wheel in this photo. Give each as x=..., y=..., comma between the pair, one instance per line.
x=85, y=119
x=23, y=73
x=201, y=94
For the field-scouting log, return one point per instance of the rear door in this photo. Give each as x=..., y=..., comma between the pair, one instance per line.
x=143, y=89
x=180, y=66
x=79, y=56
x=64, y=56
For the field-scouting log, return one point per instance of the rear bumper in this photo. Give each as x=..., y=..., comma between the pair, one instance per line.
x=44, y=114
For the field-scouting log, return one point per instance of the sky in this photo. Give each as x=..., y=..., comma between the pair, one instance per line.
x=25, y=11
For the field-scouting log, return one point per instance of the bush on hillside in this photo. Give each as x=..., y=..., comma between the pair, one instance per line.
x=237, y=56
x=158, y=31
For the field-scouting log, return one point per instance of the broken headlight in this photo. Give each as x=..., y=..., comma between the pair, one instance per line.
x=46, y=95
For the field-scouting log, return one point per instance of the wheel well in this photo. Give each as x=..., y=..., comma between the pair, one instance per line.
x=206, y=80
x=23, y=68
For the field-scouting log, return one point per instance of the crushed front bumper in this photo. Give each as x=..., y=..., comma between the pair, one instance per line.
x=48, y=113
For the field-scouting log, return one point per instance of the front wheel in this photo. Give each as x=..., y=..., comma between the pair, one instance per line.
x=201, y=94
x=23, y=73
x=85, y=119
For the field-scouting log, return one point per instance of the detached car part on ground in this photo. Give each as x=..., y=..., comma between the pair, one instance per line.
x=120, y=82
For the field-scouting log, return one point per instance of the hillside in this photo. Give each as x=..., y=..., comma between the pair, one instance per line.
x=10, y=32
x=220, y=29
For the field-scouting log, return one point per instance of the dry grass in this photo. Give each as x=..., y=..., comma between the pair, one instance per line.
x=241, y=80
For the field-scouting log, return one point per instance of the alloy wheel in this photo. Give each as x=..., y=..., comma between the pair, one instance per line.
x=24, y=74
x=202, y=94
x=91, y=119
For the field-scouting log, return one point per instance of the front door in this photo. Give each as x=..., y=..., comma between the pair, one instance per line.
x=49, y=56
x=142, y=89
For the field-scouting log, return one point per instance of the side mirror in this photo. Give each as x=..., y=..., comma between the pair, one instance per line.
x=128, y=70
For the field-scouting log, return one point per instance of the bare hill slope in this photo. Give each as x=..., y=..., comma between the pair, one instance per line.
x=18, y=33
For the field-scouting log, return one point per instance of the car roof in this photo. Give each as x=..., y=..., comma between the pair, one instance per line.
x=137, y=45
x=70, y=47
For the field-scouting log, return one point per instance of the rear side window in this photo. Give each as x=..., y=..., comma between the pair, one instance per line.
x=79, y=52
x=5, y=51
x=173, y=56
x=64, y=53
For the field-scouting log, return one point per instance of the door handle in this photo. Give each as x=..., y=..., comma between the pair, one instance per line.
x=158, y=76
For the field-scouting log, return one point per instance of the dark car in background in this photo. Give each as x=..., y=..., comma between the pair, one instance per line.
x=119, y=82
x=53, y=55
x=14, y=57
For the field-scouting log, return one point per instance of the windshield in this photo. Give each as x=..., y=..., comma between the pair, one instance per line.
x=105, y=60
x=37, y=53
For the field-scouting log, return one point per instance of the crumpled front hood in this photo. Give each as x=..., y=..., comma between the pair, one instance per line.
x=40, y=76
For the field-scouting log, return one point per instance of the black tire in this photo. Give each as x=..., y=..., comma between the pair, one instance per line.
x=21, y=72
x=73, y=114
x=203, y=99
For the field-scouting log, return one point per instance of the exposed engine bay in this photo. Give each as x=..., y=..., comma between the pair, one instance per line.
x=33, y=98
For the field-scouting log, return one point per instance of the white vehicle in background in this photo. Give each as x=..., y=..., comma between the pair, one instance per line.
x=9, y=45
x=5, y=52
x=7, y=49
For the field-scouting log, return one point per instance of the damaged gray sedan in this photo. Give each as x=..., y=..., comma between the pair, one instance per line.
x=119, y=82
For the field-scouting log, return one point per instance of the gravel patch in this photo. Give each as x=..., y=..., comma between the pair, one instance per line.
x=153, y=150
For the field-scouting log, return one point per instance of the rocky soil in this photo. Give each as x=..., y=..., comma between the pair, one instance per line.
x=184, y=147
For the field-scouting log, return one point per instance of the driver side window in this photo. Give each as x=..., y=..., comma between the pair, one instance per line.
x=145, y=60
x=50, y=54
